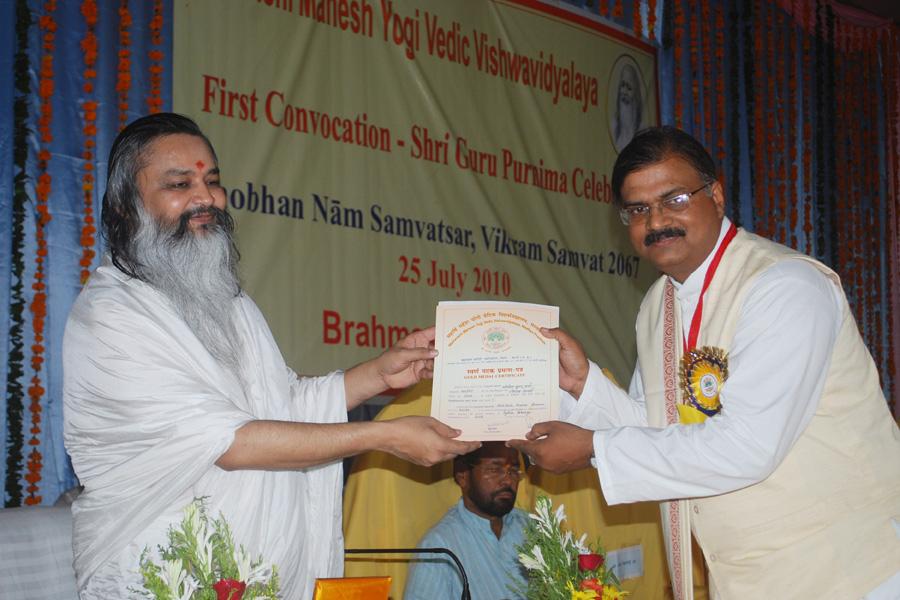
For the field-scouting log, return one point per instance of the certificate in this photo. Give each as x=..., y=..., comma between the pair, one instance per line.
x=495, y=374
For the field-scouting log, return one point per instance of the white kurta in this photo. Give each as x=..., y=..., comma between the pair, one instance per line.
x=148, y=411
x=769, y=397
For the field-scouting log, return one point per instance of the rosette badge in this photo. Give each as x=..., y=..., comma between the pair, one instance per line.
x=703, y=373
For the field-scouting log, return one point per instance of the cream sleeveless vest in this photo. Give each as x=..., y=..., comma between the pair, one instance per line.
x=820, y=525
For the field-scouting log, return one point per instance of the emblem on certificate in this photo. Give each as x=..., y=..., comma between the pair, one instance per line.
x=703, y=373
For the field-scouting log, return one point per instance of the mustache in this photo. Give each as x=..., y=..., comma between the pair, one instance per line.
x=661, y=234
x=508, y=490
x=221, y=219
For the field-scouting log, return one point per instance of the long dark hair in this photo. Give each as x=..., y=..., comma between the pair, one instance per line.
x=655, y=144
x=120, y=214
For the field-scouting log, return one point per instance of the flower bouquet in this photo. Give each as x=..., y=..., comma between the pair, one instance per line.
x=559, y=566
x=202, y=563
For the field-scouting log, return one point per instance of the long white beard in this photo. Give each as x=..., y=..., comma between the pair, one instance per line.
x=197, y=271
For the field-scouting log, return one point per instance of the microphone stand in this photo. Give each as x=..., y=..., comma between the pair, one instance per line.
x=466, y=595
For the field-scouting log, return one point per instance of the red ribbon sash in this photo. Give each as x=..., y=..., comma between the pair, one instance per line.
x=694, y=331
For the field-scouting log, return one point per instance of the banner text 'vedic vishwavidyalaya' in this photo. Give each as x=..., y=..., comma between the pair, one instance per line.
x=542, y=72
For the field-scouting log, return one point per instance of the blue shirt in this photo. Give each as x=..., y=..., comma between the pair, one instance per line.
x=491, y=564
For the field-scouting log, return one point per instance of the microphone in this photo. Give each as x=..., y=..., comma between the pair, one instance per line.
x=466, y=595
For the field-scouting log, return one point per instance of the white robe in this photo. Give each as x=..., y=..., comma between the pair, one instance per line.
x=148, y=411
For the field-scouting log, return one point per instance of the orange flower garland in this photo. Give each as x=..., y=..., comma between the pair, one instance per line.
x=651, y=19
x=807, y=136
x=636, y=18
x=792, y=138
x=771, y=124
x=154, y=98
x=677, y=52
x=720, y=87
x=782, y=117
x=694, y=61
x=891, y=73
x=876, y=295
x=848, y=190
x=89, y=130
x=123, y=77
x=47, y=27
x=757, y=147
x=706, y=35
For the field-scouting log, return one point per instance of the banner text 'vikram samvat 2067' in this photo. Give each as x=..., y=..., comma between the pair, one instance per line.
x=382, y=155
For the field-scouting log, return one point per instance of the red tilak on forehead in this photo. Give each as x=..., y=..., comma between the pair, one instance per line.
x=200, y=164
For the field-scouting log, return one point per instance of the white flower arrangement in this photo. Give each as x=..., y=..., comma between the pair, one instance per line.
x=559, y=566
x=201, y=562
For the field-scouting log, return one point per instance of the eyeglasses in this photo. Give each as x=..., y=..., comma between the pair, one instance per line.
x=496, y=472
x=638, y=213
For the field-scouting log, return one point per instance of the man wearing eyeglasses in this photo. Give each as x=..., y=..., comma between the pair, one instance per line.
x=755, y=412
x=482, y=529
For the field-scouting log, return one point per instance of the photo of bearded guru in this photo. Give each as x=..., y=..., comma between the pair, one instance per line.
x=668, y=232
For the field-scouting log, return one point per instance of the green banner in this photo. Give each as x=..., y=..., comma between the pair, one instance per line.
x=382, y=155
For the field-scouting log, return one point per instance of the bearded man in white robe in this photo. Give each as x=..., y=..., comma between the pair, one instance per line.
x=174, y=387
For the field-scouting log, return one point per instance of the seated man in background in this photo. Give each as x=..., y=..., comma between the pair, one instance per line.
x=482, y=529
x=174, y=388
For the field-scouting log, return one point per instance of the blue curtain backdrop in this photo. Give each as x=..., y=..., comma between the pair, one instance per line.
x=798, y=102
x=45, y=55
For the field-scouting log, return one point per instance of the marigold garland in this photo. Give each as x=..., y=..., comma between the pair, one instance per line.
x=651, y=19
x=891, y=71
x=89, y=130
x=636, y=18
x=877, y=296
x=735, y=84
x=807, y=96
x=757, y=148
x=747, y=78
x=154, y=97
x=771, y=124
x=694, y=60
x=793, y=178
x=721, y=133
x=123, y=72
x=850, y=216
x=47, y=27
x=863, y=187
x=819, y=140
x=706, y=41
x=874, y=187
x=782, y=116
x=842, y=156
x=677, y=52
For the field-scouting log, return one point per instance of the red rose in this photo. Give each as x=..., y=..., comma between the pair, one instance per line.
x=592, y=584
x=229, y=589
x=589, y=562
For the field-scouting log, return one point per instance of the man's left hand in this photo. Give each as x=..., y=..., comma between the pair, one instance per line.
x=557, y=447
x=408, y=361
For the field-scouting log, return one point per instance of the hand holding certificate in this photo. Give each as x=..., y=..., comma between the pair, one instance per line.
x=495, y=374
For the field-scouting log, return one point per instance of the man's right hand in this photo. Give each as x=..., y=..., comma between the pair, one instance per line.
x=573, y=364
x=423, y=440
